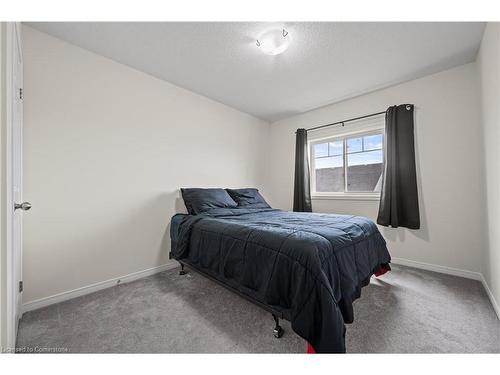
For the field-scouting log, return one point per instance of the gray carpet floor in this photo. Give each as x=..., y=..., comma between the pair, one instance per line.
x=404, y=311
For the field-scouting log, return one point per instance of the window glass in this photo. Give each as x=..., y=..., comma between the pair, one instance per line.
x=373, y=142
x=330, y=176
x=330, y=162
x=336, y=148
x=362, y=171
x=354, y=145
x=321, y=150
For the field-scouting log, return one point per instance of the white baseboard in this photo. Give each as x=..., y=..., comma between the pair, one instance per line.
x=437, y=268
x=451, y=271
x=496, y=307
x=60, y=297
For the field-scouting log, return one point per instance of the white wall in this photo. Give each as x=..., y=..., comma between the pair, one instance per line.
x=489, y=71
x=449, y=173
x=3, y=248
x=106, y=149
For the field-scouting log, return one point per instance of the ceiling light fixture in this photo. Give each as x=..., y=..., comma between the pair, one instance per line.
x=274, y=42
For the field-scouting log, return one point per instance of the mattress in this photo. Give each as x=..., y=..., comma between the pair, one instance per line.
x=175, y=225
x=308, y=266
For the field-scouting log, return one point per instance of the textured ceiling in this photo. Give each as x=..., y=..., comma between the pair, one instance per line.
x=325, y=63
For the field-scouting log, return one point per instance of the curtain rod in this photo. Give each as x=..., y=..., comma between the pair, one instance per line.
x=348, y=120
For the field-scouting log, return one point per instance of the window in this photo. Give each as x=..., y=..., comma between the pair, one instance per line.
x=348, y=164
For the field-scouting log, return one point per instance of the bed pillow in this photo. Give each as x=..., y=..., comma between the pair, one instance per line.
x=248, y=198
x=200, y=200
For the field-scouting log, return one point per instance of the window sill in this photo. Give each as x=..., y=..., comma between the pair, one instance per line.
x=348, y=196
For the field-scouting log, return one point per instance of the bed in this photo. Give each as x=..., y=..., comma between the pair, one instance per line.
x=307, y=268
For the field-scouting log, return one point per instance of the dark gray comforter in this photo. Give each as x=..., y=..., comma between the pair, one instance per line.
x=309, y=266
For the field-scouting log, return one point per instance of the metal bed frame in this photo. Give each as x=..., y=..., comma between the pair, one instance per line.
x=278, y=331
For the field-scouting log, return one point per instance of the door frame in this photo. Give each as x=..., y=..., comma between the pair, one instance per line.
x=13, y=310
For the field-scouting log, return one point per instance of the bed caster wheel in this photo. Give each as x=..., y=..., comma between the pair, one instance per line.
x=182, y=272
x=278, y=332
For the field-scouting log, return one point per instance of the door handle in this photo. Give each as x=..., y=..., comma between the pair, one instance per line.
x=25, y=206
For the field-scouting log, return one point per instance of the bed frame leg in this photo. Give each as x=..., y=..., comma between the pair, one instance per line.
x=182, y=271
x=278, y=330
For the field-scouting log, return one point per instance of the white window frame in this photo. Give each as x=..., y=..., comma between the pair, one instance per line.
x=346, y=131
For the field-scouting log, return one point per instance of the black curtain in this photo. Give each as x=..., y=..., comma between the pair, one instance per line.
x=301, y=189
x=399, y=196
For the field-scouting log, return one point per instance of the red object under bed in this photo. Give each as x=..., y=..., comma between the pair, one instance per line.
x=310, y=349
x=383, y=270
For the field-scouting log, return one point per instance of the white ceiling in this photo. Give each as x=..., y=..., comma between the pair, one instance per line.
x=326, y=62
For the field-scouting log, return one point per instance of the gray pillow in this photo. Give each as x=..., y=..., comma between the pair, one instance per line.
x=248, y=198
x=199, y=200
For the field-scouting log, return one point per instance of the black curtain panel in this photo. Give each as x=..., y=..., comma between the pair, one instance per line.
x=399, y=196
x=302, y=189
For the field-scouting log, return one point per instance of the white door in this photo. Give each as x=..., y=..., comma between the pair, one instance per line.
x=15, y=204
